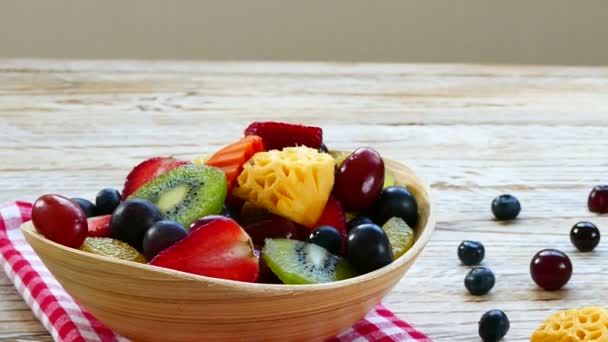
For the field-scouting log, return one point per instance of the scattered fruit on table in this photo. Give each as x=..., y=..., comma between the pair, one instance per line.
x=278, y=135
x=327, y=237
x=294, y=183
x=231, y=158
x=272, y=227
x=245, y=212
x=400, y=235
x=132, y=219
x=113, y=248
x=505, y=207
x=147, y=171
x=219, y=249
x=333, y=215
x=585, y=324
x=106, y=201
x=585, y=236
x=368, y=248
x=359, y=179
x=99, y=226
x=395, y=201
x=87, y=206
x=357, y=221
x=162, y=235
x=598, y=199
x=297, y=262
x=186, y=193
x=60, y=220
x=479, y=281
x=493, y=326
x=551, y=269
x=471, y=252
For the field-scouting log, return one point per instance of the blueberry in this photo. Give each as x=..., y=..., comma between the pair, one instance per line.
x=162, y=235
x=479, y=281
x=87, y=206
x=106, y=201
x=368, y=248
x=357, y=221
x=395, y=201
x=230, y=212
x=323, y=148
x=131, y=219
x=505, y=207
x=327, y=237
x=585, y=236
x=471, y=252
x=493, y=326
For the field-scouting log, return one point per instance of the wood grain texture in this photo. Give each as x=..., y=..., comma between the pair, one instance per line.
x=472, y=132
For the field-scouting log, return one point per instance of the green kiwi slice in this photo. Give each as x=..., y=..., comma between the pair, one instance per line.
x=186, y=193
x=297, y=262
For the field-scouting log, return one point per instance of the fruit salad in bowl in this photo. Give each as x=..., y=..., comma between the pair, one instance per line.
x=271, y=237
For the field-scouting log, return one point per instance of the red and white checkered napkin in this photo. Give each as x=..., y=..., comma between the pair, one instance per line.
x=66, y=320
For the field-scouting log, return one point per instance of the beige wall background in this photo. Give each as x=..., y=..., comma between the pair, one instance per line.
x=508, y=31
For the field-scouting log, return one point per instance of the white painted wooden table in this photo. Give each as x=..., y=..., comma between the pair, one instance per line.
x=472, y=132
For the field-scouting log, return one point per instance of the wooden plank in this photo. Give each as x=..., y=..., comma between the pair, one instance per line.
x=472, y=132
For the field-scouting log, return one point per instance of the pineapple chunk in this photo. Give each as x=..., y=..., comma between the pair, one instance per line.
x=294, y=183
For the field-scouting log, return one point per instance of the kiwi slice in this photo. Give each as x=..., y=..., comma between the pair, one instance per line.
x=297, y=262
x=186, y=193
x=400, y=235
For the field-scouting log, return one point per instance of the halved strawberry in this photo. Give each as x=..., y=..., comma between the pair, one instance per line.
x=231, y=158
x=277, y=135
x=99, y=226
x=147, y=171
x=333, y=215
x=218, y=248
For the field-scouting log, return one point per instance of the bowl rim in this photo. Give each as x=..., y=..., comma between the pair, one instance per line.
x=29, y=229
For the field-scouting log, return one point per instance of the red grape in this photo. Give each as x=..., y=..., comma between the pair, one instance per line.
x=359, y=180
x=271, y=228
x=60, y=220
x=598, y=199
x=551, y=269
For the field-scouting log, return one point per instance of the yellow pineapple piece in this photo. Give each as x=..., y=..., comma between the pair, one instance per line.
x=294, y=183
x=574, y=325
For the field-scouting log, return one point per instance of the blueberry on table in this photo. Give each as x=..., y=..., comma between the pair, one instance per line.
x=551, y=269
x=327, y=237
x=87, y=206
x=493, y=326
x=106, y=201
x=368, y=248
x=395, y=201
x=505, y=207
x=162, y=235
x=598, y=199
x=471, y=252
x=357, y=221
x=479, y=281
x=585, y=236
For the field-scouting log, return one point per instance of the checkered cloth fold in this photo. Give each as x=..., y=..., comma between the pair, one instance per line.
x=66, y=320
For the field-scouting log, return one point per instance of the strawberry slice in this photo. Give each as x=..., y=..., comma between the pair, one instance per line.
x=99, y=226
x=231, y=158
x=147, y=171
x=218, y=248
x=333, y=215
x=277, y=135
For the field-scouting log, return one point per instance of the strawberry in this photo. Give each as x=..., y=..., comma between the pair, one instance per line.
x=277, y=135
x=147, y=171
x=217, y=248
x=231, y=158
x=333, y=215
x=99, y=226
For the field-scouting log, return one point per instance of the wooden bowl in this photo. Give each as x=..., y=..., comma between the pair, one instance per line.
x=147, y=303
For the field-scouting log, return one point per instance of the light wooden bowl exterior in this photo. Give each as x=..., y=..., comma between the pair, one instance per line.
x=146, y=303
